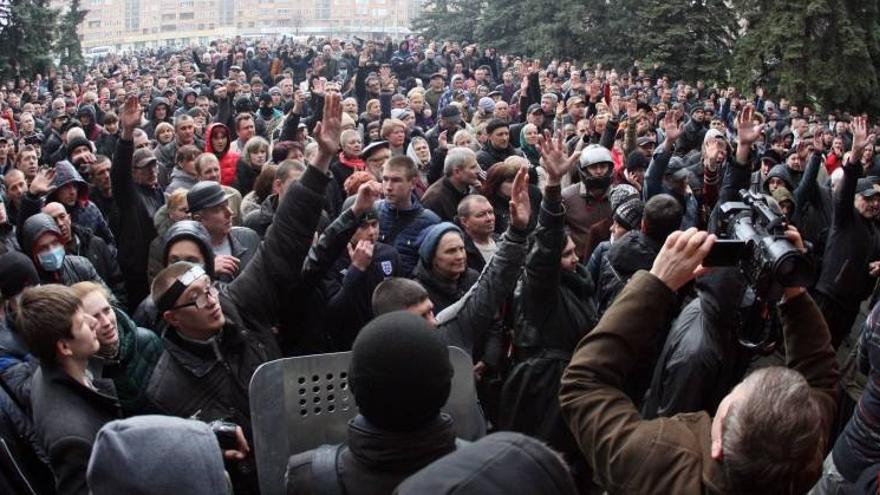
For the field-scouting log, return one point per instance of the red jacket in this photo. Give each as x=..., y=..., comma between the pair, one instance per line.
x=228, y=159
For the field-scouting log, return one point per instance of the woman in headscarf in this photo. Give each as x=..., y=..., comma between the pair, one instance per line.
x=420, y=153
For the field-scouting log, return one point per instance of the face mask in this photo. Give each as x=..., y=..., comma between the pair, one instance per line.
x=51, y=260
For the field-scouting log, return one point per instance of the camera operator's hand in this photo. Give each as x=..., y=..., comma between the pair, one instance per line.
x=241, y=449
x=874, y=268
x=682, y=256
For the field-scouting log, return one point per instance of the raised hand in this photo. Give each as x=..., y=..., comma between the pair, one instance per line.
x=443, y=141
x=632, y=108
x=361, y=255
x=130, y=116
x=747, y=131
x=859, y=129
x=520, y=206
x=328, y=130
x=368, y=193
x=42, y=182
x=672, y=128
x=818, y=142
x=554, y=159
x=615, y=106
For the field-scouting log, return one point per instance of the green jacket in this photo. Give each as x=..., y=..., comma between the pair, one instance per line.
x=139, y=350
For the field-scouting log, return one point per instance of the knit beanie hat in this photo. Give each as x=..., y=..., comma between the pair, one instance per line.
x=629, y=214
x=156, y=455
x=400, y=372
x=620, y=194
x=430, y=238
x=76, y=143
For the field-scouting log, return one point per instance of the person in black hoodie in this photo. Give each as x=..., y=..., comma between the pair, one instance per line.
x=503, y=463
x=850, y=262
x=396, y=433
x=159, y=111
x=497, y=147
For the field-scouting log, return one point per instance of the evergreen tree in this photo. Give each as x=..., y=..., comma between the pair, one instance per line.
x=27, y=29
x=825, y=52
x=690, y=39
x=453, y=20
x=68, y=46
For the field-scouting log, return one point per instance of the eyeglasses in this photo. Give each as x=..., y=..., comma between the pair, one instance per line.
x=202, y=301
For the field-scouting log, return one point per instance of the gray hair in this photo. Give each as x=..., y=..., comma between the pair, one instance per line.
x=457, y=158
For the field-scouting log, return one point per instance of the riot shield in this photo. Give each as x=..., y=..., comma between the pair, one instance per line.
x=300, y=403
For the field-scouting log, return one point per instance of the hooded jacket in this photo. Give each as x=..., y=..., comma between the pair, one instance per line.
x=93, y=130
x=130, y=456
x=152, y=121
x=228, y=158
x=83, y=212
x=146, y=314
x=503, y=463
x=73, y=269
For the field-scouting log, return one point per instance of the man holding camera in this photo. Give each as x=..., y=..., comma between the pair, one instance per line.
x=849, y=264
x=769, y=432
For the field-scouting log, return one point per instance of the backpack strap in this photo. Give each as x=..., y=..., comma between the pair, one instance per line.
x=325, y=470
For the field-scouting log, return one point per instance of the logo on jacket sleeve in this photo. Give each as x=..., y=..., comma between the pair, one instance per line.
x=387, y=268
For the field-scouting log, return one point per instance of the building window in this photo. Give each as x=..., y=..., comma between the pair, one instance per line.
x=187, y=16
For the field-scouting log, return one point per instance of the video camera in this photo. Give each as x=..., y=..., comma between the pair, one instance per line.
x=751, y=237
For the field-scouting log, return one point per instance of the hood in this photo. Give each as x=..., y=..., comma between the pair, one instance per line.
x=501, y=463
x=88, y=111
x=34, y=227
x=633, y=252
x=194, y=231
x=781, y=171
x=130, y=456
x=209, y=148
x=155, y=104
x=65, y=173
x=189, y=92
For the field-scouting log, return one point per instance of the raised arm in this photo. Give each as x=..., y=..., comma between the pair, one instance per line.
x=277, y=266
x=654, y=175
x=464, y=323
x=605, y=422
x=121, y=180
x=845, y=196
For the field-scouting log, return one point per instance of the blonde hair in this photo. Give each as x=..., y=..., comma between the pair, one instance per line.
x=389, y=125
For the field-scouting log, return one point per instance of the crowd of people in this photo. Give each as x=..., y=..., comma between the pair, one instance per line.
x=172, y=219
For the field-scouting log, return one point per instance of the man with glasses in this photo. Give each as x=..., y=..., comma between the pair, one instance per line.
x=215, y=342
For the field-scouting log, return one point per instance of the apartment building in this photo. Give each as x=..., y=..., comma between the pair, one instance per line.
x=134, y=24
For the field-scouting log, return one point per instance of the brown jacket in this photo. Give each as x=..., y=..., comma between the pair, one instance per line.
x=666, y=455
x=583, y=211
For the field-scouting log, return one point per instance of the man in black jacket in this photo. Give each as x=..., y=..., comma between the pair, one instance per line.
x=68, y=406
x=851, y=254
x=134, y=182
x=215, y=341
x=497, y=147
